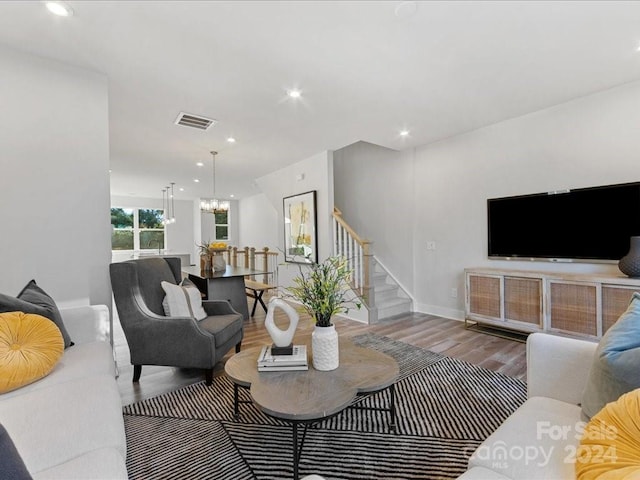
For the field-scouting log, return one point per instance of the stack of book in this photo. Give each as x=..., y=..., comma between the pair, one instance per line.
x=279, y=363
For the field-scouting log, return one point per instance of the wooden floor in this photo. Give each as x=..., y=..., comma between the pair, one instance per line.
x=448, y=337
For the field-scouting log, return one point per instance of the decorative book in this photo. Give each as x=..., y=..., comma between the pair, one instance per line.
x=268, y=361
x=282, y=368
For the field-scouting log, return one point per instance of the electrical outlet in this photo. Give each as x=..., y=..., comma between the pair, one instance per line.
x=431, y=245
x=454, y=293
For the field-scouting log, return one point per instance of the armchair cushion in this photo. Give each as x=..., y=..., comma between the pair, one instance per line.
x=223, y=327
x=182, y=301
x=616, y=365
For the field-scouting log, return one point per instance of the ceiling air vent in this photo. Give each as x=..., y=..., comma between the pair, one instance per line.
x=194, y=121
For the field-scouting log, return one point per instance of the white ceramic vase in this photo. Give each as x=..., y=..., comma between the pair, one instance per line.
x=324, y=347
x=219, y=264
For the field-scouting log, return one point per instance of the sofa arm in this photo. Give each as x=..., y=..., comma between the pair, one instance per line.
x=558, y=367
x=87, y=323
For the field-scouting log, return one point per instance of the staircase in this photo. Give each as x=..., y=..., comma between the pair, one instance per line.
x=381, y=294
x=390, y=297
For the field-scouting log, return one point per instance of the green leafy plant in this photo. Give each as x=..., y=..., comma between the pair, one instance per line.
x=323, y=289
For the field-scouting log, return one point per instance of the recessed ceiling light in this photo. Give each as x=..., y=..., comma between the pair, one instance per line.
x=231, y=140
x=181, y=189
x=232, y=195
x=200, y=164
x=404, y=133
x=59, y=8
x=196, y=180
x=294, y=93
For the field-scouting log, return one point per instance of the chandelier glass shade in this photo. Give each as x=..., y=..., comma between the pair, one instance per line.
x=169, y=215
x=214, y=205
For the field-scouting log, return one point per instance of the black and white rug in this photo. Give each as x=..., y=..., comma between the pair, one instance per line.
x=445, y=409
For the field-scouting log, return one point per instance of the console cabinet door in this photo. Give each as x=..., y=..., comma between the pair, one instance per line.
x=573, y=307
x=523, y=300
x=484, y=296
x=615, y=300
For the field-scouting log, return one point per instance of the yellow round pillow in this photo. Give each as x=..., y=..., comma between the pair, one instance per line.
x=610, y=445
x=30, y=346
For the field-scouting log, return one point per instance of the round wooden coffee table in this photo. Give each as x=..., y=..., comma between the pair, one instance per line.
x=302, y=397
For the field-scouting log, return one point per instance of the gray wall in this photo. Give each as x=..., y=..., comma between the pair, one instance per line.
x=54, y=185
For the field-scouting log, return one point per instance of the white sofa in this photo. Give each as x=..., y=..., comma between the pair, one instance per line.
x=69, y=425
x=539, y=440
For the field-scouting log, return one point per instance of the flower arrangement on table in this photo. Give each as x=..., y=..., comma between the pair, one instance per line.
x=323, y=290
x=209, y=248
x=209, y=253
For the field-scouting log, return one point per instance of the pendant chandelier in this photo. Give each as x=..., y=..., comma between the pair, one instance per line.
x=213, y=205
x=169, y=213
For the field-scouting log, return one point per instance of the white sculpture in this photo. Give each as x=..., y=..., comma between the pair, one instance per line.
x=281, y=338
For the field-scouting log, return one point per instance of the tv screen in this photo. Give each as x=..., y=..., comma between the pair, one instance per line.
x=581, y=224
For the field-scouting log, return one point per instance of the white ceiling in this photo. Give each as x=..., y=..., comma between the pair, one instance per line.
x=364, y=72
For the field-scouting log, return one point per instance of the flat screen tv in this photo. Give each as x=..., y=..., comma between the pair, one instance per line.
x=586, y=224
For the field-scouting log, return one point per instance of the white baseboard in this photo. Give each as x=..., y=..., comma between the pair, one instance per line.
x=450, y=313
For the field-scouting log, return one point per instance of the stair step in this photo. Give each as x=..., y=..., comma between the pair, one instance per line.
x=379, y=279
x=386, y=294
x=384, y=287
x=393, y=307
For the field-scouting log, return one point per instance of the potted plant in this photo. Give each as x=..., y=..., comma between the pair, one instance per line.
x=323, y=290
x=211, y=256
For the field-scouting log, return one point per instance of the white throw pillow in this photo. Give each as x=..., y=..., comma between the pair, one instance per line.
x=180, y=301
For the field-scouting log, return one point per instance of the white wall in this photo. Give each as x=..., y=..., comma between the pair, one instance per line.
x=259, y=225
x=178, y=236
x=313, y=173
x=54, y=180
x=589, y=141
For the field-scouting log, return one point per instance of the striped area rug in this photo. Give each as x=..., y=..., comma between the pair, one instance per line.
x=446, y=407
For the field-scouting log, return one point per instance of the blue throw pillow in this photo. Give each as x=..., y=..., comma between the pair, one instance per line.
x=11, y=464
x=616, y=365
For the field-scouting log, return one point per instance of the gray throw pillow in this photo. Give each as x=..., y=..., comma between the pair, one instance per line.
x=616, y=365
x=32, y=299
x=11, y=464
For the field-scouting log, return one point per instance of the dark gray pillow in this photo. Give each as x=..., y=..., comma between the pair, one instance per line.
x=616, y=365
x=32, y=299
x=11, y=464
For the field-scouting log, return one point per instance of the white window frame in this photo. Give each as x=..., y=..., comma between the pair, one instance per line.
x=137, y=229
x=228, y=225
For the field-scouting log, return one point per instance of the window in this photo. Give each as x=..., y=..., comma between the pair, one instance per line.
x=137, y=229
x=151, y=229
x=222, y=225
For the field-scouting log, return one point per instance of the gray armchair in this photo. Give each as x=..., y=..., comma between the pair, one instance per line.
x=155, y=339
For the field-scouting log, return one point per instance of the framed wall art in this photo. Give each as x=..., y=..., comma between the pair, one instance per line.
x=300, y=225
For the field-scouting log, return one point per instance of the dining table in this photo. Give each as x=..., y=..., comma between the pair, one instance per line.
x=225, y=284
